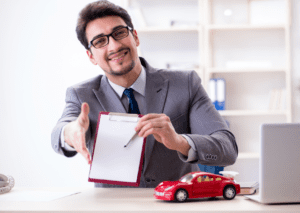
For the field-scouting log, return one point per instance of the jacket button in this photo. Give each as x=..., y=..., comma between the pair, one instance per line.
x=148, y=180
x=208, y=156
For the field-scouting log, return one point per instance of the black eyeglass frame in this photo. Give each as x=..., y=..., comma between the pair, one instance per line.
x=99, y=36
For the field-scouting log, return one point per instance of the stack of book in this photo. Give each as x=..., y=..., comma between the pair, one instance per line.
x=248, y=188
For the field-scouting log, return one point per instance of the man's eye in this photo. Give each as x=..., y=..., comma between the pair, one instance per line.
x=100, y=41
x=119, y=33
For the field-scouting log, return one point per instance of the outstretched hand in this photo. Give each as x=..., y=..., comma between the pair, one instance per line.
x=75, y=132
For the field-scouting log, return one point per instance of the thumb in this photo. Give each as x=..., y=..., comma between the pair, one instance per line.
x=83, y=118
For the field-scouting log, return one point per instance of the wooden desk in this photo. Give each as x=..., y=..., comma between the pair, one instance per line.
x=137, y=200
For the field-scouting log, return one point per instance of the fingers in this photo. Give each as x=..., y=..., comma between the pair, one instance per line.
x=151, y=118
x=86, y=154
x=75, y=131
x=80, y=146
x=160, y=126
x=150, y=127
x=153, y=123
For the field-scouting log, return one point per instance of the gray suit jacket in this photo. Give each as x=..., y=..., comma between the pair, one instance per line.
x=179, y=95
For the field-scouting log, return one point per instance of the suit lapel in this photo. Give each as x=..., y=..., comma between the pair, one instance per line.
x=155, y=95
x=107, y=98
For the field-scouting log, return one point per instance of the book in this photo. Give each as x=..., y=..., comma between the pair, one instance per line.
x=248, y=188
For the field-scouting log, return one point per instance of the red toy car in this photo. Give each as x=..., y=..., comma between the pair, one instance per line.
x=197, y=185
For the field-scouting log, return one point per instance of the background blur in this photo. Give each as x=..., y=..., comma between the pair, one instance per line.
x=40, y=57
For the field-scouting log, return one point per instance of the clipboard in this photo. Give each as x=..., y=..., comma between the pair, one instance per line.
x=112, y=162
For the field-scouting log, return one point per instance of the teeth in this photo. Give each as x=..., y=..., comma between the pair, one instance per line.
x=118, y=57
x=113, y=59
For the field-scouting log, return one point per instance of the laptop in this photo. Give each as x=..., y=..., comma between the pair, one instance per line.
x=279, y=164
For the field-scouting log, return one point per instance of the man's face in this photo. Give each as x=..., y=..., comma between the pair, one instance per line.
x=117, y=57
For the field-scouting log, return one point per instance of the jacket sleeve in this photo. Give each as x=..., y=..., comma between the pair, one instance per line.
x=71, y=112
x=214, y=142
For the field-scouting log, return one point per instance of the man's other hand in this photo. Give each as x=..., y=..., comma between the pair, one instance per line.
x=160, y=126
x=75, y=132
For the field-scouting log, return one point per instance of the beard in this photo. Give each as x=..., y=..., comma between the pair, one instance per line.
x=124, y=71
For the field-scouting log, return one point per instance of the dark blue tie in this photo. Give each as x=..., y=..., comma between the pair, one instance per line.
x=133, y=106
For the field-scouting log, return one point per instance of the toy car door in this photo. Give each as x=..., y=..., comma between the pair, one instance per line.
x=200, y=186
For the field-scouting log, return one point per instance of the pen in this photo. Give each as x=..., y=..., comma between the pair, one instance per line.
x=131, y=139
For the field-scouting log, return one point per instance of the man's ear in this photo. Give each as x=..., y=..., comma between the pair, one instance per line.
x=136, y=38
x=91, y=57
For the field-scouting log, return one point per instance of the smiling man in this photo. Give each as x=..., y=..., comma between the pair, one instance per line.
x=182, y=126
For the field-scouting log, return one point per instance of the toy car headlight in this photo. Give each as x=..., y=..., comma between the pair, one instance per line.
x=168, y=188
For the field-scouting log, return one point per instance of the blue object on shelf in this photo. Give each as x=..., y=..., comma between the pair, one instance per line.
x=211, y=169
x=217, y=92
x=221, y=93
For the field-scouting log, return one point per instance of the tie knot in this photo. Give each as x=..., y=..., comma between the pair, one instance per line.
x=129, y=93
x=133, y=106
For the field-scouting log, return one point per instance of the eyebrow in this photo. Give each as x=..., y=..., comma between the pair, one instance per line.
x=102, y=34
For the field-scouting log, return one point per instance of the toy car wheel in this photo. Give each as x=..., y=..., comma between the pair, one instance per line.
x=181, y=195
x=229, y=192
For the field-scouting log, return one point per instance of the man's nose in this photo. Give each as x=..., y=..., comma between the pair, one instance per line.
x=113, y=45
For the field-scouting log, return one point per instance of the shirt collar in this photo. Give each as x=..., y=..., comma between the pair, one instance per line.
x=139, y=85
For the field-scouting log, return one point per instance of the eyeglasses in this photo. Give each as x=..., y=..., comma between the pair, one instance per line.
x=103, y=40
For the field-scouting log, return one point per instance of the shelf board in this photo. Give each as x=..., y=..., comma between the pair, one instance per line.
x=245, y=70
x=168, y=29
x=210, y=27
x=251, y=112
x=246, y=27
x=248, y=155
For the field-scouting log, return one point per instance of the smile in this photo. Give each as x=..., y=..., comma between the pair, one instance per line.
x=118, y=56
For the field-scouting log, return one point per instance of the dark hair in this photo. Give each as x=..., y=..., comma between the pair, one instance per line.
x=98, y=9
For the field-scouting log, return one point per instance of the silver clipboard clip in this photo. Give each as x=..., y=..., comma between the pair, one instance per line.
x=124, y=117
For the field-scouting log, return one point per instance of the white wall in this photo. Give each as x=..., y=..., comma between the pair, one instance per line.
x=40, y=57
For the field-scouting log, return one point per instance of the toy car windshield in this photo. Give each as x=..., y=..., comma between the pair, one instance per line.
x=187, y=178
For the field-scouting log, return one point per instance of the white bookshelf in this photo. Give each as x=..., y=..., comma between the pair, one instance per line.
x=164, y=43
x=245, y=123
x=245, y=27
x=215, y=40
x=252, y=112
x=169, y=29
x=244, y=70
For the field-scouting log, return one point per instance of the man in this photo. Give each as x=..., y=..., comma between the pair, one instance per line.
x=181, y=124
